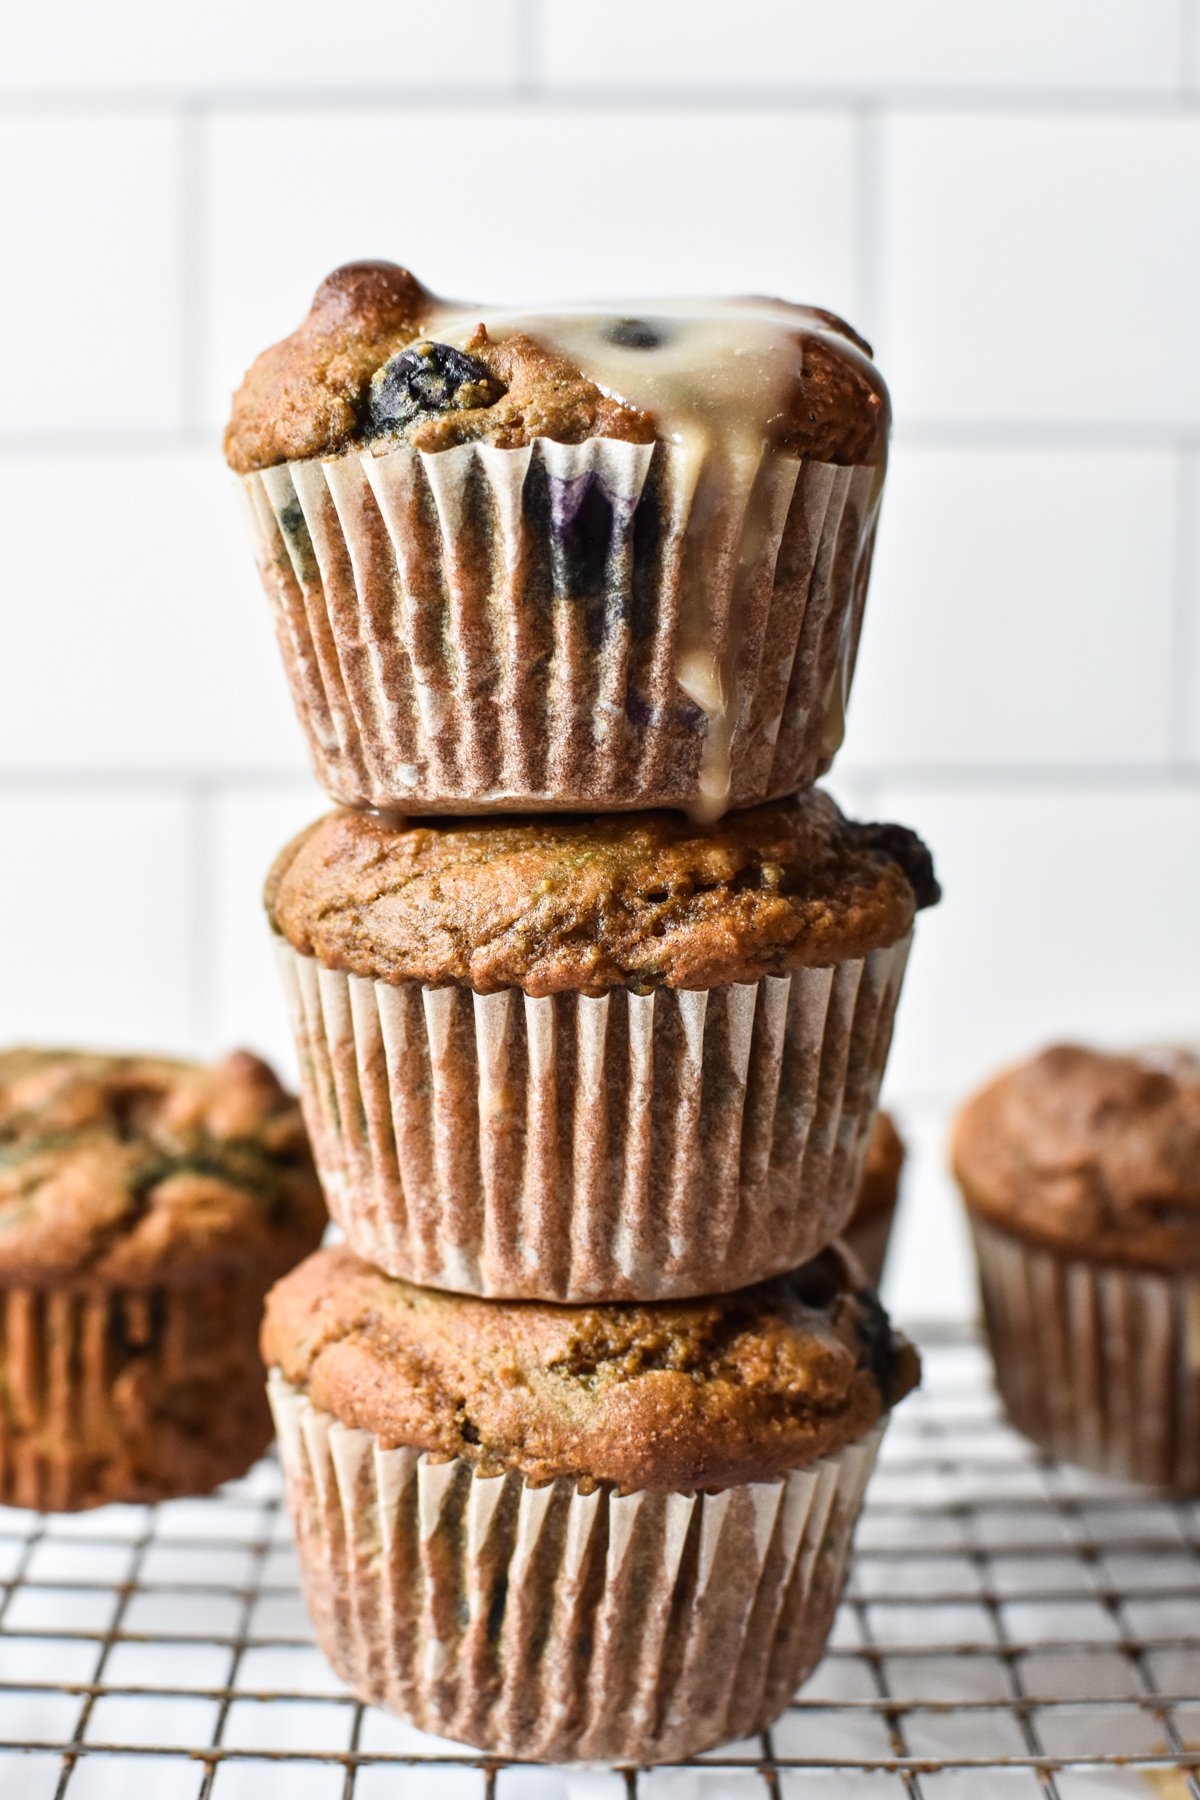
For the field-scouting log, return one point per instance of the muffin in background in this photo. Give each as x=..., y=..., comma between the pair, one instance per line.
x=868, y=1228
x=617, y=1057
x=563, y=559
x=615, y=1532
x=146, y=1206
x=1081, y=1175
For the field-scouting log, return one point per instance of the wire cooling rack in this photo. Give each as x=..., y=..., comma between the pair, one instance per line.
x=1012, y=1628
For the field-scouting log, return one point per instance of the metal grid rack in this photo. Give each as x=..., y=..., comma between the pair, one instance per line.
x=1012, y=1628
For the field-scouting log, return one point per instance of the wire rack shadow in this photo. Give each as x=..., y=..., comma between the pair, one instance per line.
x=1011, y=1629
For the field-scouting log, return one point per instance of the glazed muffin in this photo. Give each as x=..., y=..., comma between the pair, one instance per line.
x=614, y=1532
x=587, y=559
x=868, y=1228
x=145, y=1208
x=1081, y=1174
x=594, y=1058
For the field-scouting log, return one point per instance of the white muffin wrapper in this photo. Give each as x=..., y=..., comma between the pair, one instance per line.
x=546, y=1623
x=1098, y=1365
x=631, y=1147
x=596, y=626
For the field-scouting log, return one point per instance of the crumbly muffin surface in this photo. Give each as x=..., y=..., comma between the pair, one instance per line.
x=367, y=368
x=684, y=1394
x=1091, y=1154
x=132, y=1170
x=636, y=900
x=304, y=396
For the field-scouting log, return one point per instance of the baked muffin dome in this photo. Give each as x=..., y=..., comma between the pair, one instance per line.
x=704, y=1394
x=635, y=901
x=1090, y=1154
x=380, y=360
x=135, y=1170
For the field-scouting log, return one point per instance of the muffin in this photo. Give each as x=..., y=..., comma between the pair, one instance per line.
x=867, y=1230
x=605, y=1058
x=145, y=1208
x=557, y=560
x=614, y=1532
x=1081, y=1174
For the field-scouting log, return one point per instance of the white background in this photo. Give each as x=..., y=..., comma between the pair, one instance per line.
x=1004, y=196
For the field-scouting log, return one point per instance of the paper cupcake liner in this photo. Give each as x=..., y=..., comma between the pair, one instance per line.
x=128, y=1394
x=551, y=1624
x=600, y=625
x=633, y=1147
x=1098, y=1365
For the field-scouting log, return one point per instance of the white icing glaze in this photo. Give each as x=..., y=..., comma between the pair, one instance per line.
x=718, y=370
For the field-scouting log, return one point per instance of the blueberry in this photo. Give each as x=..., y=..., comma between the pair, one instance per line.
x=636, y=334
x=429, y=378
x=903, y=846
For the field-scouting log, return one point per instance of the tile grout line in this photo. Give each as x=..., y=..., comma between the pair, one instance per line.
x=1166, y=102
x=530, y=27
x=1189, y=50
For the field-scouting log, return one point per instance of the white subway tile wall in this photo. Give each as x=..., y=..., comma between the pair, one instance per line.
x=1004, y=196
x=990, y=46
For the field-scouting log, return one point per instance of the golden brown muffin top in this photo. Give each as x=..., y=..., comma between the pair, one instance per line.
x=303, y=396
x=1091, y=1154
x=559, y=903
x=679, y=1395
x=133, y=1170
x=380, y=361
x=881, y=1171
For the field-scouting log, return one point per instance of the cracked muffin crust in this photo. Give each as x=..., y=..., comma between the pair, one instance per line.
x=134, y=1170
x=633, y=901
x=681, y=1395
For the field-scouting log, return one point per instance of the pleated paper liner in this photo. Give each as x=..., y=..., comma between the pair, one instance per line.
x=1098, y=1365
x=551, y=1624
x=595, y=626
x=129, y=1394
x=632, y=1147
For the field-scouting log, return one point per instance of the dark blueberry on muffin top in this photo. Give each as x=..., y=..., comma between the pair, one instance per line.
x=427, y=378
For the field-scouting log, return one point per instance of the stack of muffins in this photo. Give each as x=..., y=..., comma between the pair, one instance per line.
x=592, y=992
